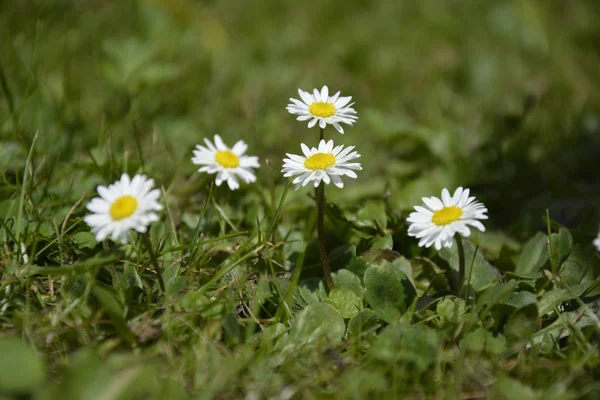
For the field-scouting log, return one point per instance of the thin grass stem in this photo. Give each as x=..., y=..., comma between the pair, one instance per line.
x=148, y=244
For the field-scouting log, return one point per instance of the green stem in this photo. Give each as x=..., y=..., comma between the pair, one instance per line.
x=321, y=235
x=7, y=93
x=461, y=264
x=148, y=244
x=320, y=196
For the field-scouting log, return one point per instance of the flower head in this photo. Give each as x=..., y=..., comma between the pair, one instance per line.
x=438, y=221
x=325, y=163
x=124, y=205
x=597, y=242
x=322, y=108
x=228, y=164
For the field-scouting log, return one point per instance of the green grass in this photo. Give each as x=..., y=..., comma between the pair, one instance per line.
x=499, y=96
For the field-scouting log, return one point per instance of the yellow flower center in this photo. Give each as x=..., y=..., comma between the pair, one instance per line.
x=446, y=215
x=320, y=161
x=322, y=109
x=123, y=207
x=227, y=159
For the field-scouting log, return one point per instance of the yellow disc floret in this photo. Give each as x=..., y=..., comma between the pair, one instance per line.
x=123, y=207
x=446, y=215
x=319, y=161
x=227, y=159
x=322, y=109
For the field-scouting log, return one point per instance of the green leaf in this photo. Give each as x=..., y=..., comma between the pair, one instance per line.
x=402, y=342
x=560, y=328
x=555, y=297
x=372, y=215
x=483, y=273
x=309, y=290
x=520, y=299
x=508, y=388
x=345, y=301
x=21, y=369
x=534, y=255
x=366, y=320
x=318, y=321
x=114, y=309
x=480, y=340
x=561, y=242
x=450, y=309
x=344, y=279
x=388, y=290
x=85, y=239
x=581, y=268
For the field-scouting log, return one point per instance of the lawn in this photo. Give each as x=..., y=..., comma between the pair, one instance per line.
x=226, y=296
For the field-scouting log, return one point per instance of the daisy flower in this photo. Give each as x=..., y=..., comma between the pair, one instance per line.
x=439, y=220
x=228, y=164
x=124, y=205
x=597, y=242
x=322, y=108
x=325, y=163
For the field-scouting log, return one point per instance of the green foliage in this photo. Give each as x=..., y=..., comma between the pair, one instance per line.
x=486, y=95
x=21, y=368
x=388, y=291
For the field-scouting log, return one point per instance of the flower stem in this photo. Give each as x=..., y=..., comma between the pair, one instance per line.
x=320, y=196
x=461, y=264
x=321, y=235
x=148, y=244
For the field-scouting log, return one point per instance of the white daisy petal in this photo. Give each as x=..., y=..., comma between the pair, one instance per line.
x=228, y=164
x=438, y=222
x=324, y=93
x=319, y=108
x=320, y=164
x=124, y=205
x=596, y=242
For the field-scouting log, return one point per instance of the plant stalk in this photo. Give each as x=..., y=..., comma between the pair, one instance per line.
x=148, y=244
x=320, y=197
x=461, y=264
x=321, y=235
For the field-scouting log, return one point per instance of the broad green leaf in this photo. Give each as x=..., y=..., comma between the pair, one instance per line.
x=309, y=290
x=346, y=302
x=21, y=369
x=496, y=294
x=85, y=239
x=318, y=321
x=534, y=255
x=344, y=279
x=581, y=268
x=480, y=340
x=450, y=309
x=555, y=297
x=382, y=242
x=366, y=320
x=561, y=242
x=388, y=290
x=109, y=302
x=372, y=215
x=483, y=273
x=559, y=328
x=520, y=299
x=417, y=345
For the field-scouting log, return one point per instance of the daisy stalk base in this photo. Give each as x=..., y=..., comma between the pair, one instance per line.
x=321, y=235
x=148, y=244
x=461, y=264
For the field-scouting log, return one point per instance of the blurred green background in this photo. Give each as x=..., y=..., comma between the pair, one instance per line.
x=499, y=96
